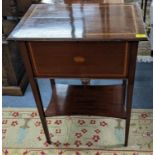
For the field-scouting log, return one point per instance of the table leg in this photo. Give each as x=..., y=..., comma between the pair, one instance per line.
x=128, y=110
x=54, y=91
x=52, y=81
x=130, y=85
x=40, y=108
x=35, y=89
x=124, y=84
x=85, y=81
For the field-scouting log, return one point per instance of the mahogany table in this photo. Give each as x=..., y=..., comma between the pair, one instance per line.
x=96, y=41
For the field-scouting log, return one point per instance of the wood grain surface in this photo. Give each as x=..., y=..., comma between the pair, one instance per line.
x=96, y=21
x=87, y=100
x=81, y=1
x=79, y=59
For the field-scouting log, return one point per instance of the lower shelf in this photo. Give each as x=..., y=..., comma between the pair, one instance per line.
x=87, y=100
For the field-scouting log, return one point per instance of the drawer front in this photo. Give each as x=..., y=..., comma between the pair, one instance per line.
x=79, y=59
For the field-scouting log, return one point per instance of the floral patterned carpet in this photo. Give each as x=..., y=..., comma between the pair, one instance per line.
x=75, y=135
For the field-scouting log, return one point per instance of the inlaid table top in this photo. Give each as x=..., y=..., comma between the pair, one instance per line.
x=105, y=22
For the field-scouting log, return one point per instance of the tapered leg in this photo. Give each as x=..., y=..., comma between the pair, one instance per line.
x=40, y=108
x=130, y=85
x=85, y=81
x=35, y=88
x=54, y=91
x=52, y=81
x=128, y=109
x=124, y=84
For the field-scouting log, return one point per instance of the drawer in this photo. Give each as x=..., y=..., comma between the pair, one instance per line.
x=79, y=59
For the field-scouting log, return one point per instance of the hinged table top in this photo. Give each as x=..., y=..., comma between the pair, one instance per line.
x=47, y=22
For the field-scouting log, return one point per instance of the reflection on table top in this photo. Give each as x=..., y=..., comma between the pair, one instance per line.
x=80, y=22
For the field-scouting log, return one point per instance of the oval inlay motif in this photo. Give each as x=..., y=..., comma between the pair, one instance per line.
x=79, y=59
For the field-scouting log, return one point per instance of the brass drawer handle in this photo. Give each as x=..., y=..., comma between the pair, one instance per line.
x=79, y=59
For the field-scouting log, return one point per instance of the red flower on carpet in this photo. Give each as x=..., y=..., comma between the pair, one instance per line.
x=49, y=122
x=92, y=122
x=15, y=114
x=43, y=153
x=96, y=138
x=3, y=130
x=97, y=131
x=58, y=130
x=115, y=153
x=66, y=144
x=60, y=153
x=33, y=114
x=84, y=130
x=37, y=123
x=77, y=153
x=78, y=135
x=77, y=143
x=81, y=122
x=39, y=138
x=51, y=135
x=97, y=153
x=57, y=143
x=25, y=152
x=4, y=121
x=42, y=131
x=103, y=123
x=6, y=152
x=89, y=143
x=147, y=134
x=135, y=153
x=144, y=115
x=14, y=123
x=58, y=122
x=46, y=144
